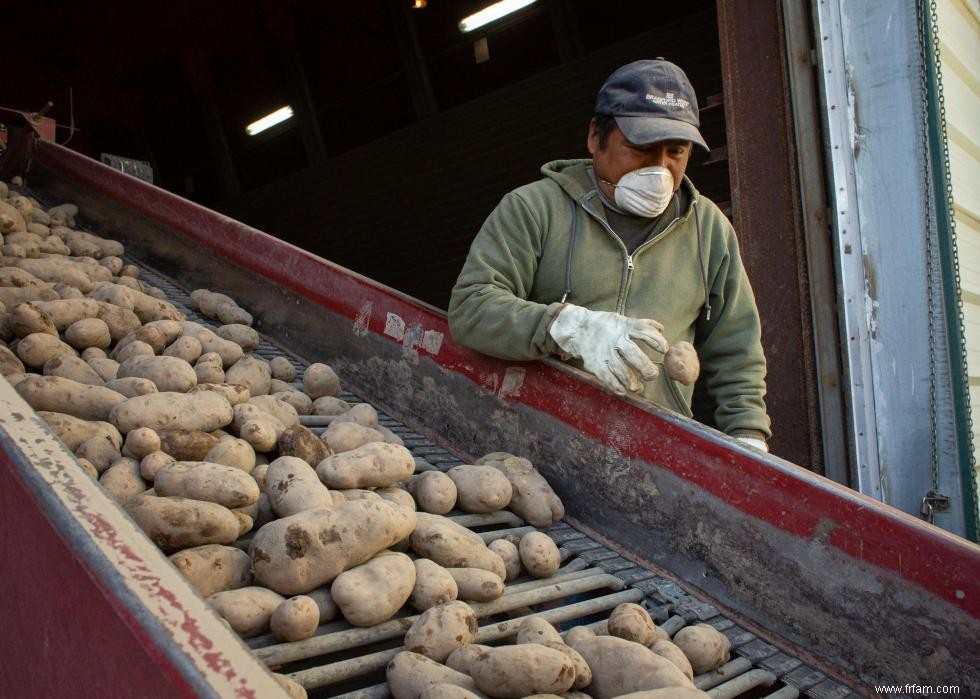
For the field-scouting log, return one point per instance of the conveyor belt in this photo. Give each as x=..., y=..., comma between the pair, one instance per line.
x=344, y=661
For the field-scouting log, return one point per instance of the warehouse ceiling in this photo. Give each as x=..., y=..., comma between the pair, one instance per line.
x=175, y=83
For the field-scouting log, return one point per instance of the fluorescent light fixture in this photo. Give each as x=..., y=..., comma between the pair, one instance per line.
x=492, y=14
x=270, y=120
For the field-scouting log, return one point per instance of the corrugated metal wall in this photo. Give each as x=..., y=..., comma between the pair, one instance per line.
x=959, y=45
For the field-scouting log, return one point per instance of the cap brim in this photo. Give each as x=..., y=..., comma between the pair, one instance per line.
x=646, y=129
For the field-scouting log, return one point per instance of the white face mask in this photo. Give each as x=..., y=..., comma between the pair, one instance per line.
x=645, y=192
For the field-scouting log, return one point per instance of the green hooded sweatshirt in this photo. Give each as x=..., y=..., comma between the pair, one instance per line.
x=688, y=276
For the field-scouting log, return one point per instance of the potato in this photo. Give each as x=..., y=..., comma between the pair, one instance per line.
x=72, y=431
x=211, y=373
x=533, y=499
x=122, y=480
x=444, y=690
x=433, y=585
x=434, y=491
x=362, y=414
x=105, y=367
x=452, y=545
x=358, y=494
x=519, y=671
x=57, y=270
x=293, y=688
x=510, y=555
x=480, y=489
x=620, y=667
x=19, y=278
x=146, y=307
x=141, y=442
x=463, y=658
x=248, y=609
x=120, y=321
x=398, y=496
x=325, y=603
x=259, y=473
x=282, y=369
x=476, y=584
x=440, y=630
x=213, y=568
x=205, y=411
x=539, y=554
x=243, y=335
x=175, y=523
x=167, y=373
x=99, y=451
x=372, y=592
x=9, y=362
x=131, y=386
x=134, y=349
x=232, y=451
x=293, y=486
x=374, y=465
x=112, y=263
x=185, y=347
x=66, y=312
x=330, y=405
x=578, y=633
x=235, y=393
x=296, y=554
x=26, y=318
x=151, y=464
x=681, y=362
x=320, y=380
x=583, y=673
x=187, y=445
x=251, y=372
x=674, y=654
x=56, y=394
x=74, y=368
x=89, y=468
x=295, y=619
x=347, y=436
x=230, y=352
x=282, y=411
x=705, y=646
x=37, y=348
x=409, y=674
x=299, y=401
x=633, y=622
x=534, y=629
x=200, y=480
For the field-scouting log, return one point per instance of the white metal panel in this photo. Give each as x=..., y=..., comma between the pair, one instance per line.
x=959, y=37
x=964, y=169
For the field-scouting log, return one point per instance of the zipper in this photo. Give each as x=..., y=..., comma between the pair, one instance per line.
x=630, y=265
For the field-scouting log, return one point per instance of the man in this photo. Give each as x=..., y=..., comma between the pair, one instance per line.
x=609, y=261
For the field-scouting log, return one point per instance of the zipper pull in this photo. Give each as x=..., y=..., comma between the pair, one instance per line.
x=629, y=262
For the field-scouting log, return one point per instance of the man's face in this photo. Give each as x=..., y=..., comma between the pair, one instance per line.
x=620, y=156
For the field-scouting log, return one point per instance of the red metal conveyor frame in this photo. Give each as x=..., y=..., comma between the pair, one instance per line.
x=846, y=581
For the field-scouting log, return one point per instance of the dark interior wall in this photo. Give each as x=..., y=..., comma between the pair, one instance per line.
x=403, y=209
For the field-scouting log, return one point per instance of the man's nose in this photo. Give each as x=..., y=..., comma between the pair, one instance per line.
x=656, y=156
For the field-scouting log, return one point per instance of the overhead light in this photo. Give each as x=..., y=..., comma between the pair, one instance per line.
x=492, y=14
x=270, y=120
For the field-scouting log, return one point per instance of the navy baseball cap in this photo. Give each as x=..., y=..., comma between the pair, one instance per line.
x=652, y=100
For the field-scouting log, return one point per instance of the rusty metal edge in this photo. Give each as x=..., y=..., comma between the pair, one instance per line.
x=174, y=624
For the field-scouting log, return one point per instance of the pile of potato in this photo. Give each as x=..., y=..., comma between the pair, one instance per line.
x=201, y=443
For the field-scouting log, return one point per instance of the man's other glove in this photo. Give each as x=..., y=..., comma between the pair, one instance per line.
x=607, y=345
x=759, y=444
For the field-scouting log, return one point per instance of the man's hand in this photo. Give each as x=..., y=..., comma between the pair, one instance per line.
x=607, y=345
x=754, y=442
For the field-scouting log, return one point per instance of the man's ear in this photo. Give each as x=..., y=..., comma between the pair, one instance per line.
x=593, y=140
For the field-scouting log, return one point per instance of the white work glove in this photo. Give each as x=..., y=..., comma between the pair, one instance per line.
x=759, y=444
x=607, y=345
